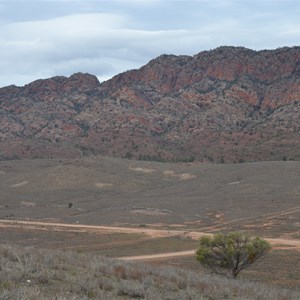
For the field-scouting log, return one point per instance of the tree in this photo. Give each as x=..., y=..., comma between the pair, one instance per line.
x=230, y=253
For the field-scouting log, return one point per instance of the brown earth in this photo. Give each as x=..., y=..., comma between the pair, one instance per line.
x=230, y=104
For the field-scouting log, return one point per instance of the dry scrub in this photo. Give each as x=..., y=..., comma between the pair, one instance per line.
x=27, y=273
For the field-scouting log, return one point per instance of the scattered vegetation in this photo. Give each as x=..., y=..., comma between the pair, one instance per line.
x=231, y=253
x=31, y=274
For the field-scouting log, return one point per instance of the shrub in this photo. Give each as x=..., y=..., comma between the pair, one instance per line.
x=231, y=253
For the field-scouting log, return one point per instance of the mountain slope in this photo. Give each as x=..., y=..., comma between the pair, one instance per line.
x=229, y=104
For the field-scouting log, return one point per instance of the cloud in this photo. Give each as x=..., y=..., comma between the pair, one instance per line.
x=119, y=35
x=63, y=45
x=96, y=43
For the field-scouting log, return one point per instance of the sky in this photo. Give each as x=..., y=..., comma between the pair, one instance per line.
x=45, y=38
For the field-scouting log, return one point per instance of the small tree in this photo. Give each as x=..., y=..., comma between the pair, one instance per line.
x=231, y=253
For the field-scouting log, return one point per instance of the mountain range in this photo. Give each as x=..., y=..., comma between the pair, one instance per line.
x=229, y=104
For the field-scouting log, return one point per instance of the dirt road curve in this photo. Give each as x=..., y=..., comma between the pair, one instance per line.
x=159, y=255
x=276, y=242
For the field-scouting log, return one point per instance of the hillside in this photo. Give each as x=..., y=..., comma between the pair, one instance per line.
x=230, y=104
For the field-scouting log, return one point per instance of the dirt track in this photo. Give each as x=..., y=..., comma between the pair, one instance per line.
x=159, y=255
x=101, y=229
x=153, y=233
x=248, y=220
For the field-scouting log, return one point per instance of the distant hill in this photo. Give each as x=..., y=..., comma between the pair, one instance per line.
x=230, y=104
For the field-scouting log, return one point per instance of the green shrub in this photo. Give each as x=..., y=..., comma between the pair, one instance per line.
x=231, y=253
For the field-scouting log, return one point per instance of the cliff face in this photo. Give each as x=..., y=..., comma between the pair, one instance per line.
x=229, y=104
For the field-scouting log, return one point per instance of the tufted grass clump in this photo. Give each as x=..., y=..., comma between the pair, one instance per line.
x=32, y=274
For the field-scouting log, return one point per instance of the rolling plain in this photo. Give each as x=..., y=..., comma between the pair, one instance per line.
x=151, y=211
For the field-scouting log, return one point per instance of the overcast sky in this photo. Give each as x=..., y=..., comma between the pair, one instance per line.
x=45, y=38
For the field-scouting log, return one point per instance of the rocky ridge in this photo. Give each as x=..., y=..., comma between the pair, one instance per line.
x=230, y=104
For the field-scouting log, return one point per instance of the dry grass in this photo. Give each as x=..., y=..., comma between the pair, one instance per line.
x=262, y=198
x=27, y=273
x=105, y=190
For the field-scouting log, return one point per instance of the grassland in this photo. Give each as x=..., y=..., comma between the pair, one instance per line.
x=260, y=198
x=31, y=274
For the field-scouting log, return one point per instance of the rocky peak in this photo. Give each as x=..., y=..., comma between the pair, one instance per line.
x=84, y=81
x=53, y=88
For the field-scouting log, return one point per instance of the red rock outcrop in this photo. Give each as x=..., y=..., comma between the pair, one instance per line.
x=230, y=104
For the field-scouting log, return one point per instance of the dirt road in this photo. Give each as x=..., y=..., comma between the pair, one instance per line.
x=277, y=243
x=95, y=228
x=153, y=233
x=159, y=255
